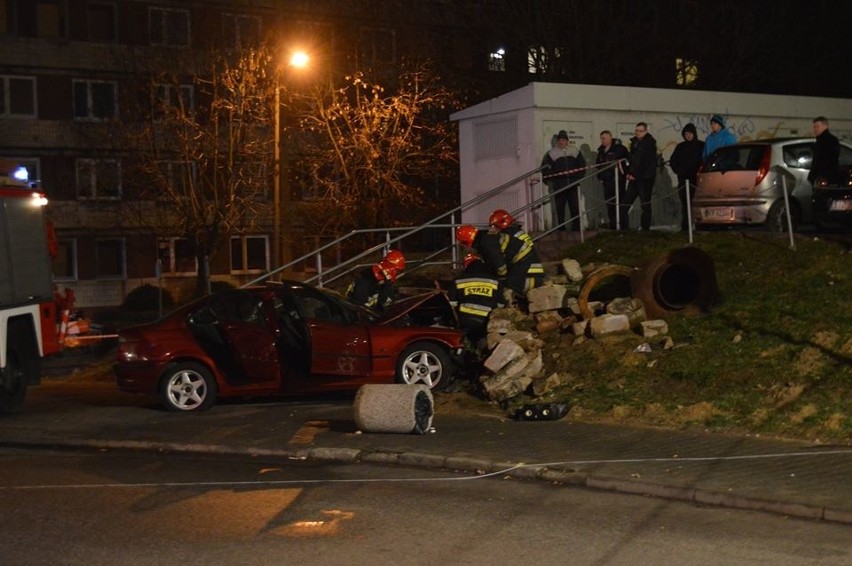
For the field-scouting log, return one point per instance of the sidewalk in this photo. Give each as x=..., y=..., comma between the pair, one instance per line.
x=790, y=478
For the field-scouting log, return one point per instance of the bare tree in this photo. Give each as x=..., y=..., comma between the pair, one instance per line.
x=209, y=162
x=368, y=155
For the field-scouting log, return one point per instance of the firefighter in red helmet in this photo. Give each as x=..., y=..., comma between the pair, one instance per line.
x=524, y=268
x=373, y=286
x=486, y=244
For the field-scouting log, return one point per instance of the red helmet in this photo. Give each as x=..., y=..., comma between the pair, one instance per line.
x=384, y=271
x=395, y=258
x=501, y=219
x=470, y=258
x=466, y=234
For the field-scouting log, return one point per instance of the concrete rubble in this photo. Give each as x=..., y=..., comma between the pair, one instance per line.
x=515, y=364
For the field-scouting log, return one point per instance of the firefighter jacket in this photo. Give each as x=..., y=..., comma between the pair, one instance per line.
x=489, y=247
x=367, y=291
x=525, y=269
x=477, y=291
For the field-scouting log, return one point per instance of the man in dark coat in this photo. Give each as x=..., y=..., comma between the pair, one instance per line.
x=643, y=171
x=373, y=286
x=826, y=159
x=685, y=161
x=561, y=158
x=609, y=151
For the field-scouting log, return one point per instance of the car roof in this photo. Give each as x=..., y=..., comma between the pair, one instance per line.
x=778, y=141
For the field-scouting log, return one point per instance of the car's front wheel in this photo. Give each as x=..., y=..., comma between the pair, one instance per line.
x=426, y=363
x=188, y=386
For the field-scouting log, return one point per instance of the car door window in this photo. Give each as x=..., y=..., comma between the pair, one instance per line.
x=237, y=306
x=845, y=156
x=798, y=156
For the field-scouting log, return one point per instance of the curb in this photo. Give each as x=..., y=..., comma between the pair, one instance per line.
x=481, y=468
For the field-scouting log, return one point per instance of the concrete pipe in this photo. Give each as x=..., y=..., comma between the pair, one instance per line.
x=682, y=281
x=596, y=278
x=399, y=408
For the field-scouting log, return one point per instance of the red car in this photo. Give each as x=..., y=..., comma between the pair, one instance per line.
x=286, y=339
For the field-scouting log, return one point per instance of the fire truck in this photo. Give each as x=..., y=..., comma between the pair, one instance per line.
x=28, y=314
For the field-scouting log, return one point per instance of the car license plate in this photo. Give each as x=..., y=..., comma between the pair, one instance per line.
x=719, y=213
x=841, y=205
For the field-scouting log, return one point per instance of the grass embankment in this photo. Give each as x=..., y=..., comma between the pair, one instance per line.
x=773, y=355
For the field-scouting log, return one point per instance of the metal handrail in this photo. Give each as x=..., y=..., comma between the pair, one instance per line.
x=389, y=241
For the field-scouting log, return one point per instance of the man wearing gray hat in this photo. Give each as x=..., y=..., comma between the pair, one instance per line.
x=719, y=136
x=563, y=164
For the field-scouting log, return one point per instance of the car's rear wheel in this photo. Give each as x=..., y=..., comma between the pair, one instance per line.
x=188, y=386
x=776, y=220
x=426, y=363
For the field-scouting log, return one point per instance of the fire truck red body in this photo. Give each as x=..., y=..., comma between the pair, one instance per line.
x=27, y=307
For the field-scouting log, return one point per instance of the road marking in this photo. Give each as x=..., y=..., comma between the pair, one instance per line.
x=305, y=435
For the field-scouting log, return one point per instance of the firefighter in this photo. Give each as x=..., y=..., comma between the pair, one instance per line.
x=373, y=286
x=476, y=292
x=486, y=244
x=525, y=270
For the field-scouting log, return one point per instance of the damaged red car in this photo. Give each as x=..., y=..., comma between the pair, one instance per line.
x=286, y=339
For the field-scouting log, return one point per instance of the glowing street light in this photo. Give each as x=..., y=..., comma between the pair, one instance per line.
x=283, y=225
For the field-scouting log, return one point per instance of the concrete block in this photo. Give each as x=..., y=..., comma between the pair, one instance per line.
x=506, y=351
x=651, y=328
x=609, y=324
x=572, y=269
x=545, y=298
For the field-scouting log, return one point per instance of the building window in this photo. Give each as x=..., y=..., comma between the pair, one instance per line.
x=102, y=22
x=249, y=254
x=110, y=258
x=240, y=30
x=65, y=263
x=17, y=97
x=540, y=61
x=178, y=178
x=177, y=256
x=95, y=100
x=686, y=72
x=98, y=179
x=51, y=18
x=173, y=99
x=168, y=27
x=7, y=16
x=497, y=60
x=493, y=140
x=377, y=47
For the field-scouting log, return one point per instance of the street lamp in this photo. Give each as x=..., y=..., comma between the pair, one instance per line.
x=282, y=225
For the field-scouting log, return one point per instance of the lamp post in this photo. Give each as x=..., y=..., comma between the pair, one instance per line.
x=282, y=222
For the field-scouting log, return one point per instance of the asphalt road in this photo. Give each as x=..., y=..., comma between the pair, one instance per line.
x=118, y=508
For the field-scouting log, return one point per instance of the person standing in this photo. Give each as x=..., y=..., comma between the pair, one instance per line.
x=609, y=151
x=826, y=159
x=685, y=161
x=558, y=161
x=719, y=137
x=643, y=171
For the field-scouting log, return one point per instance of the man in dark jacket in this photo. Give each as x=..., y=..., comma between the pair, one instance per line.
x=486, y=244
x=609, y=151
x=685, y=161
x=826, y=159
x=643, y=170
x=560, y=159
x=373, y=286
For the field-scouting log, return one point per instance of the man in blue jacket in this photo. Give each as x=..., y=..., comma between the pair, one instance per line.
x=719, y=137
